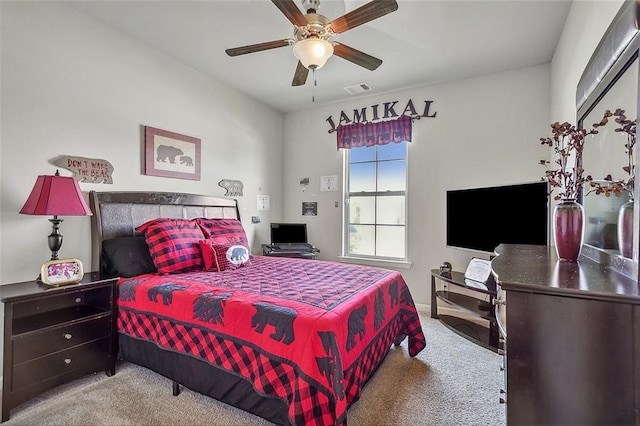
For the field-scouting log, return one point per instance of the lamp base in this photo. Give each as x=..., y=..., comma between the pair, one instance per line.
x=55, y=238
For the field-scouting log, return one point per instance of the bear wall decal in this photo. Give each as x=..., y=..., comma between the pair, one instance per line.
x=234, y=187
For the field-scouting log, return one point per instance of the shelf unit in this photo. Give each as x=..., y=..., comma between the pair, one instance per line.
x=484, y=333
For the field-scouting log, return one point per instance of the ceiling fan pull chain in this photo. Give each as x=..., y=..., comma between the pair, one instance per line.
x=315, y=83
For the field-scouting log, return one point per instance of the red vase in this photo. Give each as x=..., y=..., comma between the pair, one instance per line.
x=568, y=227
x=625, y=229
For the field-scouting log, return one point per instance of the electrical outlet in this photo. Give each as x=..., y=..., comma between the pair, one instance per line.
x=255, y=219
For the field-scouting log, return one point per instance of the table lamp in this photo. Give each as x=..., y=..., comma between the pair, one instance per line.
x=55, y=196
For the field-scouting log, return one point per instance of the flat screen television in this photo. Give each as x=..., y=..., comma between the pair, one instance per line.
x=283, y=233
x=483, y=218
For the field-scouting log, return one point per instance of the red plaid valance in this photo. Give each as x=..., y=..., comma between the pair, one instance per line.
x=370, y=134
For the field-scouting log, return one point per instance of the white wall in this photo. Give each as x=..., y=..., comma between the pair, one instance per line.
x=486, y=132
x=71, y=86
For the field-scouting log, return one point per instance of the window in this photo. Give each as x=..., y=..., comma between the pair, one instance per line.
x=375, y=201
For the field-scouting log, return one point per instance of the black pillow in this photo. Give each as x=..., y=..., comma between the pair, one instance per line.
x=126, y=257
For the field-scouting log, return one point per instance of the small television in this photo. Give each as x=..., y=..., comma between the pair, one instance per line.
x=283, y=233
x=483, y=218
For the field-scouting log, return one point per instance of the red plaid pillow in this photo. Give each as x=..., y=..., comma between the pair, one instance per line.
x=208, y=255
x=230, y=256
x=222, y=255
x=223, y=230
x=173, y=244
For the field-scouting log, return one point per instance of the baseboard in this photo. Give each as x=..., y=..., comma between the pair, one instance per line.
x=422, y=308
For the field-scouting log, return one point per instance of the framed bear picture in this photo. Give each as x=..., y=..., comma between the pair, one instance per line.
x=170, y=154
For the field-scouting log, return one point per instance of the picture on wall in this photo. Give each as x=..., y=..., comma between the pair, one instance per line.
x=310, y=208
x=170, y=154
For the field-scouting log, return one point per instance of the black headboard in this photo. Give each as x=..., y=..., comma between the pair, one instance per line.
x=117, y=214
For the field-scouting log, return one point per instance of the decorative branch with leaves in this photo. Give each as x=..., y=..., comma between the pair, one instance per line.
x=618, y=187
x=567, y=142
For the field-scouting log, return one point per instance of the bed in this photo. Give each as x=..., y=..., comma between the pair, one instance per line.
x=291, y=340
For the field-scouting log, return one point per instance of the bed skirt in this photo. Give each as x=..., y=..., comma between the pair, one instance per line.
x=203, y=378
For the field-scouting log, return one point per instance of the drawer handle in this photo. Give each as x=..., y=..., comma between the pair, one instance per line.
x=67, y=360
x=78, y=300
x=68, y=336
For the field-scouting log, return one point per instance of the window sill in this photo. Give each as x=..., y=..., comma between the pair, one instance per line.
x=382, y=263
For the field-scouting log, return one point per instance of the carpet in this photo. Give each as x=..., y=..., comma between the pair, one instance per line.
x=451, y=382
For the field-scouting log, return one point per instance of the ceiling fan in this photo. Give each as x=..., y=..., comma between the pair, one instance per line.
x=312, y=44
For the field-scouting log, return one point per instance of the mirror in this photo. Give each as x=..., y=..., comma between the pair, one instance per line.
x=604, y=154
x=609, y=82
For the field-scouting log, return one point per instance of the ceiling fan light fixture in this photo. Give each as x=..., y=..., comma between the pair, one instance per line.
x=313, y=52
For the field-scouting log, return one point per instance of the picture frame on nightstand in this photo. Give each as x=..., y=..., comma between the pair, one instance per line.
x=61, y=272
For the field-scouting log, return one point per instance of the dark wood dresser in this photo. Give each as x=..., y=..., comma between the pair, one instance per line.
x=55, y=334
x=572, y=333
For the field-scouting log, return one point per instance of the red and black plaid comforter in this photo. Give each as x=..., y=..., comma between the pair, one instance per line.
x=308, y=332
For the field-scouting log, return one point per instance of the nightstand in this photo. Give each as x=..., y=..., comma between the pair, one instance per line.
x=55, y=334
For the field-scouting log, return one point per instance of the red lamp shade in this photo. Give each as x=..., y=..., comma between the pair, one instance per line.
x=56, y=196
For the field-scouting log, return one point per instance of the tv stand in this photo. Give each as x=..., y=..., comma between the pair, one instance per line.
x=480, y=326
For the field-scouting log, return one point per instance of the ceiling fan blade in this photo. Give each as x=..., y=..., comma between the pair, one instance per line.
x=300, y=76
x=368, y=12
x=291, y=11
x=258, y=47
x=357, y=57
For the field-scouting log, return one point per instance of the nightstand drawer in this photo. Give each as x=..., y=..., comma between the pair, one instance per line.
x=92, y=356
x=57, y=309
x=35, y=344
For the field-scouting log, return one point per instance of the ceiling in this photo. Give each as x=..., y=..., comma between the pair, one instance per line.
x=424, y=42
